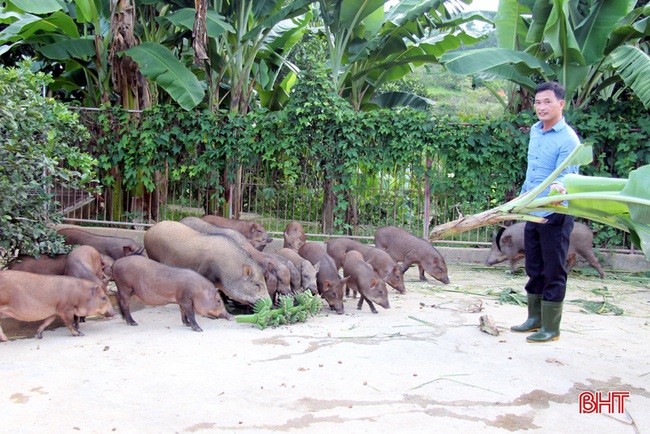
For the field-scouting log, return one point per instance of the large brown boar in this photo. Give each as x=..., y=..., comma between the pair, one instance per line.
x=306, y=269
x=218, y=258
x=33, y=297
x=330, y=285
x=157, y=284
x=52, y=265
x=387, y=269
x=409, y=249
x=364, y=280
x=294, y=236
x=115, y=247
x=252, y=230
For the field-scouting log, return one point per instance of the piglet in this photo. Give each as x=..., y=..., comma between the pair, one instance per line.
x=380, y=261
x=307, y=270
x=52, y=265
x=409, y=249
x=364, y=280
x=329, y=283
x=157, y=284
x=294, y=236
x=28, y=296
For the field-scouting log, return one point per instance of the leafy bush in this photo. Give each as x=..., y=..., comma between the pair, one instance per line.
x=37, y=138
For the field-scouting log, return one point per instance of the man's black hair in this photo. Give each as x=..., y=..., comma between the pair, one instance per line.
x=556, y=87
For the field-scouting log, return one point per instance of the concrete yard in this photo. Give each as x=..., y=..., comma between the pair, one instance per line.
x=422, y=366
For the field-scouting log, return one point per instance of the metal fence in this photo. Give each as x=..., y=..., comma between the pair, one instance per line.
x=276, y=205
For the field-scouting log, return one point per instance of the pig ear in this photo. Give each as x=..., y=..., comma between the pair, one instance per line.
x=373, y=282
x=317, y=266
x=94, y=290
x=248, y=271
x=344, y=280
x=507, y=240
x=327, y=285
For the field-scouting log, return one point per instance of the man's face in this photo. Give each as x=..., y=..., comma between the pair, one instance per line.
x=548, y=107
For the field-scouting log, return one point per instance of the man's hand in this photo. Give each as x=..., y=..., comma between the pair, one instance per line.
x=560, y=190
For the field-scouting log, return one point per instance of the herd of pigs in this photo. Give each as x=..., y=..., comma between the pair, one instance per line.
x=205, y=264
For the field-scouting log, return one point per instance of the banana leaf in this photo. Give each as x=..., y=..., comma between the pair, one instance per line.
x=157, y=63
x=621, y=203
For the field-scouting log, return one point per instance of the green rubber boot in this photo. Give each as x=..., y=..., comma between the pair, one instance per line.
x=534, y=321
x=551, y=318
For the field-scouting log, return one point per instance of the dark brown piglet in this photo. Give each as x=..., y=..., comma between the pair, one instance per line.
x=44, y=264
x=308, y=271
x=252, y=230
x=33, y=297
x=157, y=284
x=364, y=280
x=115, y=247
x=408, y=249
x=272, y=265
x=387, y=269
x=330, y=285
x=294, y=236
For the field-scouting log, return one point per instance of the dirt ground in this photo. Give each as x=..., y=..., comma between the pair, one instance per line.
x=421, y=366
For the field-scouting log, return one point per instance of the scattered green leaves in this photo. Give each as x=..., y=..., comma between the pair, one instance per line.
x=291, y=309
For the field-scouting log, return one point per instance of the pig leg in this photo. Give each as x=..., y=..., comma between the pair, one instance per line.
x=188, y=317
x=370, y=305
x=3, y=337
x=422, y=276
x=123, y=301
x=570, y=262
x=593, y=261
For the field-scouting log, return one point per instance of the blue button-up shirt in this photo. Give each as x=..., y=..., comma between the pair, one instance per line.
x=546, y=151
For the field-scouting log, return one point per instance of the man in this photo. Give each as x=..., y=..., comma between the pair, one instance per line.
x=546, y=244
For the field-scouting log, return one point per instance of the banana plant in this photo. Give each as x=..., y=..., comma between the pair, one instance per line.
x=372, y=42
x=594, y=48
x=621, y=203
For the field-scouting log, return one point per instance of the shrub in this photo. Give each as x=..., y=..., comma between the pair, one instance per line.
x=37, y=149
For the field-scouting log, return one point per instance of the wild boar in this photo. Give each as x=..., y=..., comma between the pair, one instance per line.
x=508, y=244
x=387, y=269
x=409, y=249
x=52, y=265
x=85, y=262
x=274, y=266
x=329, y=283
x=296, y=278
x=294, y=236
x=28, y=296
x=115, y=247
x=218, y=258
x=364, y=280
x=252, y=230
x=203, y=226
x=307, y=270
x=157, y=284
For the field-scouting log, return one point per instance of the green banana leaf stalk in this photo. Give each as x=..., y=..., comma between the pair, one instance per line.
x=291, y=309
x=618, y=202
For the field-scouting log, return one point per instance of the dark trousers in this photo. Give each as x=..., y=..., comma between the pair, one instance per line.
x=546, y=246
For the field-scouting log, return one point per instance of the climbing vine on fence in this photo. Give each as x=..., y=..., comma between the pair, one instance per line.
x=319, y=137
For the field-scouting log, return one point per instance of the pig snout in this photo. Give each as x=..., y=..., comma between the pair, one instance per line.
x=107, y=310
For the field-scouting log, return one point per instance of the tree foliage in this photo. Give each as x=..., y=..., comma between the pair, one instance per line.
x=38, y=150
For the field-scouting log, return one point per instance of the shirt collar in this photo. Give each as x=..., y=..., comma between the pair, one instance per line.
x=560, y=125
